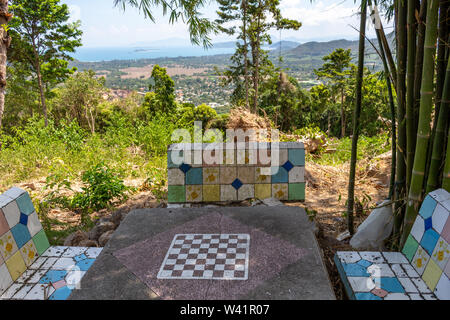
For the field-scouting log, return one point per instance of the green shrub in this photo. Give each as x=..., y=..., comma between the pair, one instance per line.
x=102, y=185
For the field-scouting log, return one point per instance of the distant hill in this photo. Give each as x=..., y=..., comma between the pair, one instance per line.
x=321, y=49
x=285, y=45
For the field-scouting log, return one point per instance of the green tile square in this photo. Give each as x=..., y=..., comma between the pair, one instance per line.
x=410, y=247
x=25, y=205
x=177, y=194
x=297, y=191
x=41, y=242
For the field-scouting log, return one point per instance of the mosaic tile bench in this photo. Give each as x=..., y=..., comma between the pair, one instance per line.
x=30, y=269
x=420, y=271
x=212, y=172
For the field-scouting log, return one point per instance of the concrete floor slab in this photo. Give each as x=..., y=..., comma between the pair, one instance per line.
x=284, y=257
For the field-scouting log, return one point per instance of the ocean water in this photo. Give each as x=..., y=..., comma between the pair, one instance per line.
x=127, y=53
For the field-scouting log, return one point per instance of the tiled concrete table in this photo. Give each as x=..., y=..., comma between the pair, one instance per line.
x=210, y=253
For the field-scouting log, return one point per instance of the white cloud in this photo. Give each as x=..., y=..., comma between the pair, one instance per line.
x=75, y=13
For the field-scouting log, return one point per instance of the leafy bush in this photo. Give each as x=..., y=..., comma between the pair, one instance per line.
x=102, y=185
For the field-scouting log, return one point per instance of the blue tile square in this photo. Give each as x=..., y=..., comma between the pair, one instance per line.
x=21, y=234
x=427, y=208
x=85, y=264
x=25, y=205
x=53, y=276
x=364, y=263
x=237, y=184
x=80, y=257
x=296, y=156
x=366, y=296
x=281, y=176
x=390, y=284
x=194, y=176
x=355, y=270
x=429, y=240
x=61, y=294
x=23, y=219
x=428, y=223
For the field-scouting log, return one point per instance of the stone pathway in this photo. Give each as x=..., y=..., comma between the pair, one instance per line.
x=210, y=253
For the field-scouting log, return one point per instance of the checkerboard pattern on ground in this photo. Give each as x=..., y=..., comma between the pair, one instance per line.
x=213, y=172
x=207, y=256
x=29, y=267
x=420, y=271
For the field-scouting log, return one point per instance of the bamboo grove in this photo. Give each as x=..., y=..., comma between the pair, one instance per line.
x=417, y=74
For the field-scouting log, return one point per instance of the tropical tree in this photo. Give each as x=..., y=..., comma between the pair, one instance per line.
x=79, y=98
x=42, y=37
x=161, y=98
x=5, y=40
x=335, y=70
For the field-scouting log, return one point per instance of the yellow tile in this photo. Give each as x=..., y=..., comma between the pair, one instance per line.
x=193, y=193
x=211, y=175
x=280, y=191
x=16, y=265
x=211, y=193
x=8, y=245
x=262, y=175
x=29, y=253
x=432, y=274
x=263, y=191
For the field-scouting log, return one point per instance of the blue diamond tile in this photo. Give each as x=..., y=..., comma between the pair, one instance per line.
x=185, y=167
x=20, y=234
x=428, y=223
x=237, y=184
x=427, y=208
x=23, y=219
x=194, y=176
x=429, y=240
x=288, y=166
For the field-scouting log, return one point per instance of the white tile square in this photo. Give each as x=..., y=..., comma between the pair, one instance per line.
x=395, y=257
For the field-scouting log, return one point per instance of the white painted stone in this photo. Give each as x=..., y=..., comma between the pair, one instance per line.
x=418, y=228
x=408, y=285
x=439, y=218
x=396, y=296
x=372, y=256
x=348, y=256
x=361, y=284
x=395, y=257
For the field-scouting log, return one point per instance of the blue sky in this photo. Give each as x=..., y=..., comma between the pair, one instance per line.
x=107, y=26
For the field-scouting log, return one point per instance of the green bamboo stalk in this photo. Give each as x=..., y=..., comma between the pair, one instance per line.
x=439, y=136
x=446, y=174
x=424, y=129
x=391, y=104
x=356, y=117
x=440, y=77
x=419, y=60
x=401, y=186
x=411, y=50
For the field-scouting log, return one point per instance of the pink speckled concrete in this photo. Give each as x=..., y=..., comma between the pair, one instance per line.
x=268, y=256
